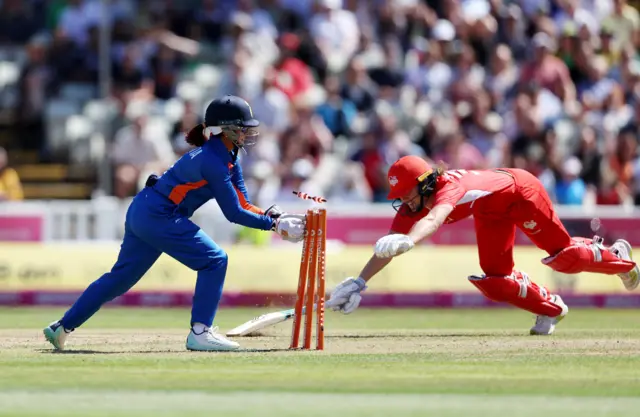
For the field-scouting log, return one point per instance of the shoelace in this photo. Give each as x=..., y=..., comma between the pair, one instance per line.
x=213, y=331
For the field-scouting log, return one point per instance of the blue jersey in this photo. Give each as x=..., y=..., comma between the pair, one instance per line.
x=211, y=171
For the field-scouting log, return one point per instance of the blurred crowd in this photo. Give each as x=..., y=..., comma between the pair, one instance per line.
x=551, y=86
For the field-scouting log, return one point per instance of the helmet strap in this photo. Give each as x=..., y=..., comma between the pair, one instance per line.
x=232, y=135
x=426, y=187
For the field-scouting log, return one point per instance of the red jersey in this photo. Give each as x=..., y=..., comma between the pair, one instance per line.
x=463, y=190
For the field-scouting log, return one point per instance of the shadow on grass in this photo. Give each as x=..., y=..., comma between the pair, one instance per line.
x=105, y=352
x=97, y=352
x=418, y=335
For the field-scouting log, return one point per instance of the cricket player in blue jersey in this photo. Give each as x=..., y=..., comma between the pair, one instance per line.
x=157, y=222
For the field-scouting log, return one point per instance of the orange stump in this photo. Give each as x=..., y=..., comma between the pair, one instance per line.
x=311, y=277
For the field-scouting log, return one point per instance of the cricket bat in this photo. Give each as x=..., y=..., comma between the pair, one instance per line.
x=263, y=321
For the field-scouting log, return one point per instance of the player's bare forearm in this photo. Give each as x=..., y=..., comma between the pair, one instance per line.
x=427, y=226
x=374, y=266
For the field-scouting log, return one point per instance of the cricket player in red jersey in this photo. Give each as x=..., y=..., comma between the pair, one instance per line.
x=499, y=201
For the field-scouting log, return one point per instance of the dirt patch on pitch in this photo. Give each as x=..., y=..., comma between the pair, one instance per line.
x=458, y=344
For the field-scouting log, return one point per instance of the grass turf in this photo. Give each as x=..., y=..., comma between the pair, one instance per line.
x=132, y=362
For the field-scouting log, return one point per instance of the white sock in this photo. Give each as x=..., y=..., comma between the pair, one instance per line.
x=199, y=328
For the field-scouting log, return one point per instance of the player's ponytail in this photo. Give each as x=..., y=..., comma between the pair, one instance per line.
x=196, y=135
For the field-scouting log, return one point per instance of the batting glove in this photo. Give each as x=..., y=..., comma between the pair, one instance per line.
x=346, y=297
x=393, y=245
x=290, y=227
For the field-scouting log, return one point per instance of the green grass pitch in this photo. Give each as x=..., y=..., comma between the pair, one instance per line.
x=442, y=363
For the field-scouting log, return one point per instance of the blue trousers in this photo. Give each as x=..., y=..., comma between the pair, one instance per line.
x=151, y=228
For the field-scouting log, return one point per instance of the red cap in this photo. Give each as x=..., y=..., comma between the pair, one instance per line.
x=405, y=174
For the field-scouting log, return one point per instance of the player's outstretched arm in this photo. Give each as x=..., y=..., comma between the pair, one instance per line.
x=346, y=297
x=219, y=180
x=428, y=225
x=396, y=244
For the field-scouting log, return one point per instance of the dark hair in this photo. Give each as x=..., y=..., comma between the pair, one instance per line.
x=195, y=136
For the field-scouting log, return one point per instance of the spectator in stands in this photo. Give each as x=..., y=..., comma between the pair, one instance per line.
x=272, y=106
x=308, y=137
x=597, y=87
x=132, y=81
x=87, y=66
x=608, y=49
x=138, y=151
x=74, y=22
x=625, y=24
x=38, y=82
x=502, y=77
x=431, y=74
x=63, y=56
x=590, y=157
x=619, y=172
x=240, y=78
x=548, y=70
x=482, y=127
x=570, y=188
x=293, y=76
x=336, y=33
x=190, y=117
x=337, y=113
x=370, y=159
x=357, y=87
x=476, y=83
x=211, y=19
x=298, y=177
x=165, y=65
x=512, y=30
x=10, y=186
x=18, y=23
x=460, y=154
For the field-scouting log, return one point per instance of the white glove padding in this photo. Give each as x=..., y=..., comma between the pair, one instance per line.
x=353, y=303
x=346, y=296
x=392, y=245
x=291, y=227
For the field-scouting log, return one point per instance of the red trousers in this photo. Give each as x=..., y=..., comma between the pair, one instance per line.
x=526, y=206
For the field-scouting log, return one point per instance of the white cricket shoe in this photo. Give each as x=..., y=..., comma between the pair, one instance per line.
x=545, y=325
x=210, y=340
x=56, y=334
x=630, y=279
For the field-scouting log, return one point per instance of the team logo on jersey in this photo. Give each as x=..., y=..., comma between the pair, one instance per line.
x=530, y=225
x=393, y=181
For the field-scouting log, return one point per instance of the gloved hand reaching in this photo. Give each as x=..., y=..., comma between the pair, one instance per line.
x=346, y=296
x=274, y=211
x=290, y=227
x=393, y=245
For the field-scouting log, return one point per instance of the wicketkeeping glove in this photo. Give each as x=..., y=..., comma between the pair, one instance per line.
x=392, y=245
x=346, y=297
x=290, y=227
x=274, y=211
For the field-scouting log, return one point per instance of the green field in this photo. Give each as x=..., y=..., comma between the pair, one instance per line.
x=443, y=363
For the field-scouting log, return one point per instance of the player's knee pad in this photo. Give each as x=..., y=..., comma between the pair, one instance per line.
x=504, y=288
x=517, y=289
x=588, y=255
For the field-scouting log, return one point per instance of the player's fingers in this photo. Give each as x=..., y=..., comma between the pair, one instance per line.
x=353, y=303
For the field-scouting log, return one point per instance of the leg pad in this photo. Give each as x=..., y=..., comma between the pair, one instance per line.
x=588, y=255
x=518, y=290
